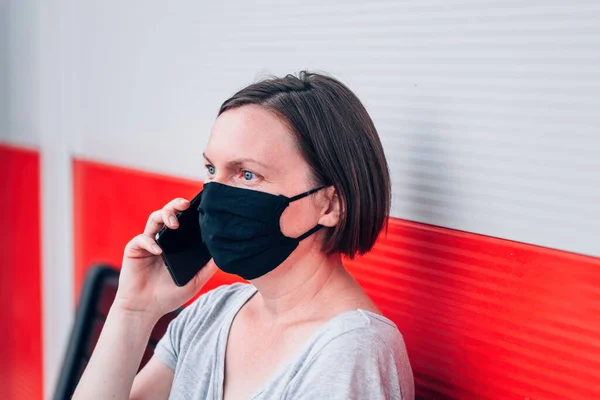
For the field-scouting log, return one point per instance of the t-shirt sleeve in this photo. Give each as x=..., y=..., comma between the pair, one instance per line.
x=356, y=365
x=167, y=349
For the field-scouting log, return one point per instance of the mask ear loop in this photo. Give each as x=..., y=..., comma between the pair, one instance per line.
x=302, y=195
x=310, y=232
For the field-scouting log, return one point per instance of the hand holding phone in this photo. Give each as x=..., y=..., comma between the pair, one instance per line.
x=145, y=285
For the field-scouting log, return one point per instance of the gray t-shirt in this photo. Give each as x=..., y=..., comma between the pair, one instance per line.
x=355, y=355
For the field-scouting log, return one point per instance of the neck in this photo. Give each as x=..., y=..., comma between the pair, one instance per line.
x=297, y=287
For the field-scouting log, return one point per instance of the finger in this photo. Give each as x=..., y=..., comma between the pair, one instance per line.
x=165, y=216
x=154, y=224
x=171, y=209
x=177, y=205
x=142, y=246
x=169, y=218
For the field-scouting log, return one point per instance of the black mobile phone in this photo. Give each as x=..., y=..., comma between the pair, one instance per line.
x=183, y=251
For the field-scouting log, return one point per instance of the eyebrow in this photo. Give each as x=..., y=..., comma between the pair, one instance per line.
x=241, y=161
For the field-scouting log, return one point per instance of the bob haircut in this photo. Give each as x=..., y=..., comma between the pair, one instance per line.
x=338, y=139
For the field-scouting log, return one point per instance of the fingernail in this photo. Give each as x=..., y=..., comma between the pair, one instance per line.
x=156, y=249
x=173, y=221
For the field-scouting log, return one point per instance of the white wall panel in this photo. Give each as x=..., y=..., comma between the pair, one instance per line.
x=4, y=60
x=19, y=97
x=488, y=110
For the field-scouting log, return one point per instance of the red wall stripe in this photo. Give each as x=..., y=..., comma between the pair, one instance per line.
x=21, y=362
x=482, y=317
x=488, y=318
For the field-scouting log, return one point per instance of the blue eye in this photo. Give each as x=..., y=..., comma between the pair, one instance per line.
x=210, y=169
x=249, y=175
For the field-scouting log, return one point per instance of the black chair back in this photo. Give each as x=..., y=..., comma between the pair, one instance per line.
x=97, y=296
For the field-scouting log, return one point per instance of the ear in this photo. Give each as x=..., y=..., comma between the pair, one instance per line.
x=330, y=213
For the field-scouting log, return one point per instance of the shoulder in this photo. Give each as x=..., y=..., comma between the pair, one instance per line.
x=361, y=353
x=359, y=332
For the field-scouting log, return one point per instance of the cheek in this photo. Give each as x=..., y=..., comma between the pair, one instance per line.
x=298, y=218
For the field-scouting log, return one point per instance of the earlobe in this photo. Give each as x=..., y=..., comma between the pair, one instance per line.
x=331, y=211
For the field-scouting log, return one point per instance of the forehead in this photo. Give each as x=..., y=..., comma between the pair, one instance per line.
x=251, y=131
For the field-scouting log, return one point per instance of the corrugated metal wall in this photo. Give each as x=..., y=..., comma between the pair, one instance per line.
x=487, y=109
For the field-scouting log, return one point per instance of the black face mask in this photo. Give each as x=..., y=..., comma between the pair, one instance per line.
x=241, y=229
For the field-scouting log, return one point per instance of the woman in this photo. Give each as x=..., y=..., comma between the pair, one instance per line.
x=303, y=328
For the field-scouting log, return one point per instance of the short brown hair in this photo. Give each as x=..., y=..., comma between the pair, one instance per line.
x=340, y=143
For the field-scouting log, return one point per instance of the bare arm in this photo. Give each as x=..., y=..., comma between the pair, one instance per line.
x=146, y=292
x=116, y=358
x=153, y=382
